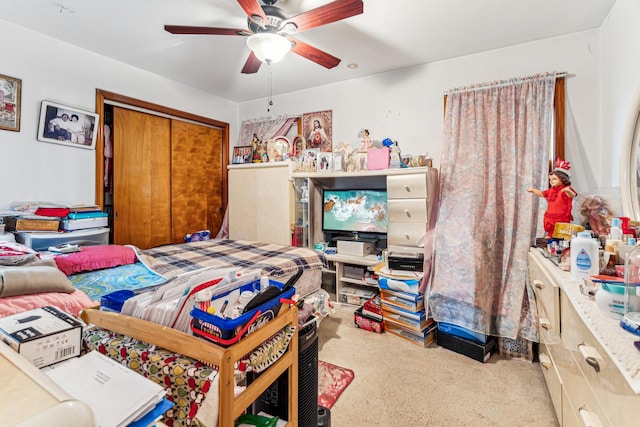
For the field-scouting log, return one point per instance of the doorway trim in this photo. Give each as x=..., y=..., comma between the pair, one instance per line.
x=103, y=96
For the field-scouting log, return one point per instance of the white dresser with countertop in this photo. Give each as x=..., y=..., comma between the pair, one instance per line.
x=589, y=362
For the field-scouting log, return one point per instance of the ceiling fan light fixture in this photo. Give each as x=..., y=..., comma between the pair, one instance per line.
x=269, y=47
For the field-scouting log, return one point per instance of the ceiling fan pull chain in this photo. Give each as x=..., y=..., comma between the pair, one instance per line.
x=270, y=95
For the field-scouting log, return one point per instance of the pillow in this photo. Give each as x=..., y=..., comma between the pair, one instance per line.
x=32, y=280
x=91, y=258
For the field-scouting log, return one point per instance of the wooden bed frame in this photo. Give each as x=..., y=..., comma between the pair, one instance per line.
x=229, y=407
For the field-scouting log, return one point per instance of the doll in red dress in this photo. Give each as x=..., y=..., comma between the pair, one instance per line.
x=559, y=196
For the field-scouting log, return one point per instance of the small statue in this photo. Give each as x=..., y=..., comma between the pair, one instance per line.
x=365, y=140
x=559, y=196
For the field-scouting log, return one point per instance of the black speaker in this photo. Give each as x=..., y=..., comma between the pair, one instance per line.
x=274, y=400
x=308, y=375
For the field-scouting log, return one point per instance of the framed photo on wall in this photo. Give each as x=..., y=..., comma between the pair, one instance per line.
x=10, y=88
x=60, y=124
x=317, y=130
x=242, y=154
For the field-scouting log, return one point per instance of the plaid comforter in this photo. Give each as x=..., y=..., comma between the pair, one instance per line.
x=271, y=259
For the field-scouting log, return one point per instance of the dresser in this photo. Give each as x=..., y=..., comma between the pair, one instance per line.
x=590, y=365
x=409, y=198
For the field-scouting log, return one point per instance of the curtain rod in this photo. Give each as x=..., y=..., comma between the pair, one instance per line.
x=559, y=75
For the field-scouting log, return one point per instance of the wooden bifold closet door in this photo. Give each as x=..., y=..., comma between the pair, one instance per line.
x=167, y=179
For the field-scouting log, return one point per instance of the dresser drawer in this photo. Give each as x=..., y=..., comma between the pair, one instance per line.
x=407, y=210
x=610, y=388
x=551, y=377
x=405, y=234
x=547, y=295
x=412, y=186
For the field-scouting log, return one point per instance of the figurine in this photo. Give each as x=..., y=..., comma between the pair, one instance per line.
x=559, y=196
x=365, y=140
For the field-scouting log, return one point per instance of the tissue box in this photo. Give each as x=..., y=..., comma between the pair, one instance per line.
x=44, y=336
x=378, y=158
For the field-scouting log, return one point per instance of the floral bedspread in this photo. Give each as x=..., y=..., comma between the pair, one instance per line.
x=186, y=380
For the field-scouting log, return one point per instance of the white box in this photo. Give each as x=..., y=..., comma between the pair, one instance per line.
x=356, y=248
x=43, y=336
x=40, y=241
x=84, y=223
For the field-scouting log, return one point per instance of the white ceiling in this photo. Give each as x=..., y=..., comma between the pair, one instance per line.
x=388, y=35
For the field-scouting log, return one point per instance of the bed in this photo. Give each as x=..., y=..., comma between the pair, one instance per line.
x=121, y=336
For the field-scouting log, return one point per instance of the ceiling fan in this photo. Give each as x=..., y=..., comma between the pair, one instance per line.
x=268, y=25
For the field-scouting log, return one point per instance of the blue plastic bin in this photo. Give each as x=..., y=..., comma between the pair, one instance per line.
x=226, y=332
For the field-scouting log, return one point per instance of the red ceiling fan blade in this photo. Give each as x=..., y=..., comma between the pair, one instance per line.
x=185, y=29
x=314, y=54
x=252, y=65
x=331, y=12
x=253, y=8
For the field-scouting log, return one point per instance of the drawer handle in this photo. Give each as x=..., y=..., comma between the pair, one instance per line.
x=406, y=211
x=589, y=419
x=545, y=323
x=406, y=187
x=590, y=355
x=539, y=284
x=545, y=361
x=406, y=236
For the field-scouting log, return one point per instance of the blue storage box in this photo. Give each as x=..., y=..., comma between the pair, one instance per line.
x=461, y=332
x=225, y=331
x=409, y=286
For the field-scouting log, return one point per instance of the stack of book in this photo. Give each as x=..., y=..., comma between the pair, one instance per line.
x=82, y=217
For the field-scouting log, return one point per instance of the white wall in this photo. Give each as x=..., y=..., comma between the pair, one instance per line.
x=407, y=105
x=55, y=71
x=620, y=70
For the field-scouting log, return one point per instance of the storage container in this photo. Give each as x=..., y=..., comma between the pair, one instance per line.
x=355, y=296
x=226, y=331
x=401, y=300
x=41, y=241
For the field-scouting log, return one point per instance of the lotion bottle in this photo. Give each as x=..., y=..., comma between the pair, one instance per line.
x=585, y=261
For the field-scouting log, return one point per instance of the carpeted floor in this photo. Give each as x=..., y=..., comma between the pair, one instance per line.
x=398, y=383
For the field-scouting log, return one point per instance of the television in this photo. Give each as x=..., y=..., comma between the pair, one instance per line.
x=354, y=212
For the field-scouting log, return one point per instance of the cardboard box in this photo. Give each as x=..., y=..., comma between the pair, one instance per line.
x=422, y=338
x=402, y=300
x=43, y=336
x=414, y=321
x=356, y=248
x=473, y=349
x=366, y=322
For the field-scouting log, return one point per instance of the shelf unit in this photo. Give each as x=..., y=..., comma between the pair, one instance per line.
x=411, y=194
x=342, y=261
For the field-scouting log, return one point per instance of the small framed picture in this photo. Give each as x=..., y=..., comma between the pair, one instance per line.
x=361, y=161
x=309, y=160
x=325, y=162
x=242, y=154
x=10, y=103
x=338, y=161
x=64, y=125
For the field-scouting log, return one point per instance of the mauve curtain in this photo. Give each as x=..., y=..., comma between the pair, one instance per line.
x=496, y=145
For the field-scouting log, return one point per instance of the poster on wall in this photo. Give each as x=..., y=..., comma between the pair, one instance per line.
x=60, y=124
x=10, y=103
x=317, y=130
